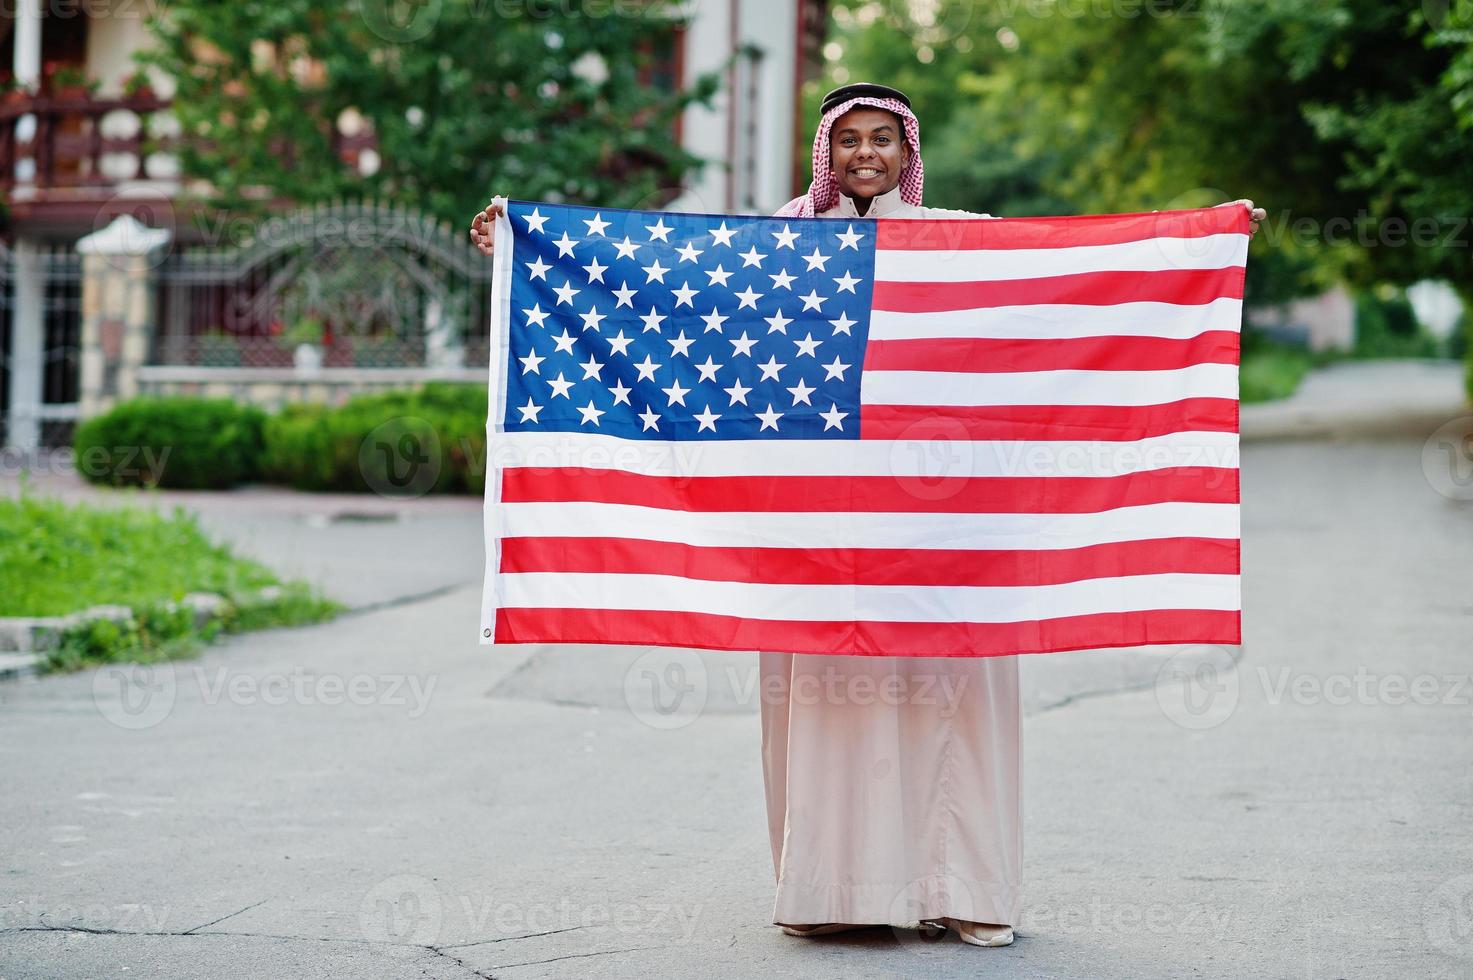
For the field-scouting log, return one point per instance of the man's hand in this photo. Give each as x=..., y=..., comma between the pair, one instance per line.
x=1255, y=214
x=483, y=233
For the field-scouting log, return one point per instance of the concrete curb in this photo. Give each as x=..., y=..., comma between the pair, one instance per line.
x=23, y=639
x=1276, y=421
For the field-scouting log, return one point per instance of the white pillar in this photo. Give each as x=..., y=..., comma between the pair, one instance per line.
x=27, y=346
x=27, y=70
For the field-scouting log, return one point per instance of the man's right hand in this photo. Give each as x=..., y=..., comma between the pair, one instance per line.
x=483, y=232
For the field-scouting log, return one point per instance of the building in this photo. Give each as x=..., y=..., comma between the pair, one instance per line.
x=122, y=315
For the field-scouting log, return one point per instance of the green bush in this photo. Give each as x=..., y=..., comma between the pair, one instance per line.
x=191, y=443
x=1386, y=326
x=396, y=443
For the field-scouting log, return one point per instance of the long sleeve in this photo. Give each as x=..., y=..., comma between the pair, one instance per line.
x=952, y=213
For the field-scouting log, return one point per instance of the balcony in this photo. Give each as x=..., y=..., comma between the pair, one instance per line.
x=82, y=151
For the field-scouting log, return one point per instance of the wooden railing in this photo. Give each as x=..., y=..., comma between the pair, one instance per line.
x=69, y=143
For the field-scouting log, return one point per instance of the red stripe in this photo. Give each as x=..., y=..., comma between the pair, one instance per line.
x=1115, y=423
x=870, y=566
x=1095, y=229
x=874, y=494
x=706, y=631
x=1187, y=287
x=988, y=355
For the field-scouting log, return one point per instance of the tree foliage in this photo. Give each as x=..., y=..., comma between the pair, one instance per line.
x=466, y=98
x=1351, y=120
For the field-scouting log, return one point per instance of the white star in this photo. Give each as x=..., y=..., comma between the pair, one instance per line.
x=591, y=369
x=813, y=301
x=619, y=344
x=621, y=393
x=531, y=364
x=566, y=292
x=565, y=246
x=626, y=248
x=596, y=224
x=589, y=413
x=684, y=294
x=769, y=418
x=708, y=370
x=652, y=321
x=535, y=221
x=808, y=346
x=535, y=315
x=748, y=298
x=843, y=324
x=530, y=411
x=800, y=392
x=689, y=253
x=777, y=323
x=742, y=345
x=847, y=284
x=656, y=271
x=679, y=345
x=647, y=369
x=660, y=231
x=560, y=386
x=595, y=271
x=592, y=319
x=721, y=236
x=707, y=420
x=816, y=261
x=714, y=321
x=675, y=393
x=539, y=268
x=835, y=370
x=565, y=342
x=782, y=279
x=718, y=273
x=626, y=296
x=650, y=420
x=849, y=239
x=753, y=257
x=771, y=368
x=833, y=417
x=738, y=392
x=785, y=238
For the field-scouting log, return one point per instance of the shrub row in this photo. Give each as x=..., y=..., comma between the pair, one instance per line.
x=398, y=443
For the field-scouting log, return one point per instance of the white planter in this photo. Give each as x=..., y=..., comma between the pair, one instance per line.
x=307, y=359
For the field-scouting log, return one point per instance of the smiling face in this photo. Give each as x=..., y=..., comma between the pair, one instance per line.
x=869, y=151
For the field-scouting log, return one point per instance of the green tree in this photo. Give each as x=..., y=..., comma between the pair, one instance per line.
x=1351, y=120
x=552, y=101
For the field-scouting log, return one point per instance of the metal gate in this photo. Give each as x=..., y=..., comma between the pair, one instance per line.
x=41, y=377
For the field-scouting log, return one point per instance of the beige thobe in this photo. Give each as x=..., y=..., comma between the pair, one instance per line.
x=893, y=783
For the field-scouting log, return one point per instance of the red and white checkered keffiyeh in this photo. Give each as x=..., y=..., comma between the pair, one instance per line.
x=823, y=193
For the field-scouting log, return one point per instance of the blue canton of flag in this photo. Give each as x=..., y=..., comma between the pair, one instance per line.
x=653, y=325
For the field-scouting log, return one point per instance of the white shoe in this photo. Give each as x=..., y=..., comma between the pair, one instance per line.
x=823, y=929
x=979, y=933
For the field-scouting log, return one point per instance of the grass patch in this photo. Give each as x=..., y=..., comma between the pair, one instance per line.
x=58, y=558
x=1272, y=372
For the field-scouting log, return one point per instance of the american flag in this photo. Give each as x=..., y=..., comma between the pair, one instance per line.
x=886, y=437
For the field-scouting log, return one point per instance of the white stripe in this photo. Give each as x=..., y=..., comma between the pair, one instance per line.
x=1049, y=387
x=746, y=529
x=871, y=603
x=996, y=264
x=1058, y=321
x=870, y=457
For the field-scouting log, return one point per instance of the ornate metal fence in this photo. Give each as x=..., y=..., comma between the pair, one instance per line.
x=365, y=284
